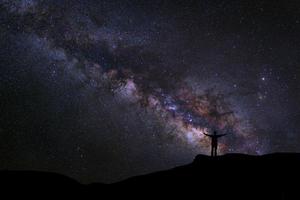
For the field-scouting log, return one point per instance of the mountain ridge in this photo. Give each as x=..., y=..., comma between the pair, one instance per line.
x=272, y=176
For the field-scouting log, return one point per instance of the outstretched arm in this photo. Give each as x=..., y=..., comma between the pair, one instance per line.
x=207, y=134
x=221, y=135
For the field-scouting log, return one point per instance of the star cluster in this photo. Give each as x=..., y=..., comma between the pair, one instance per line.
x=103, y=90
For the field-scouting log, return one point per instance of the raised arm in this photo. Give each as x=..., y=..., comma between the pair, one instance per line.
x=207, y=134
x=221, y=135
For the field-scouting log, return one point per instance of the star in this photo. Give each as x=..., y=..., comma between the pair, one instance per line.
x=115, y=89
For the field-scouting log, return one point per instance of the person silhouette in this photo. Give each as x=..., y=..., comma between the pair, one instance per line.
x=214, y=142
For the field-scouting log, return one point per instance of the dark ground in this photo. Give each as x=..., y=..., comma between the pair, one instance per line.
x=232, y=176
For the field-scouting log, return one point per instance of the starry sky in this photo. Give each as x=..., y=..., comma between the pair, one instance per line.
x=101, y=90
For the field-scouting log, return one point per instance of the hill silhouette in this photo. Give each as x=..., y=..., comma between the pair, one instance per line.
x=235, y=176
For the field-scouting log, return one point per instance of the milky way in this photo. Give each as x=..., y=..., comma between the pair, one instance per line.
x=90, y=86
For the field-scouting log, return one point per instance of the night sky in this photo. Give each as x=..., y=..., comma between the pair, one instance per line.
x=101, y=90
